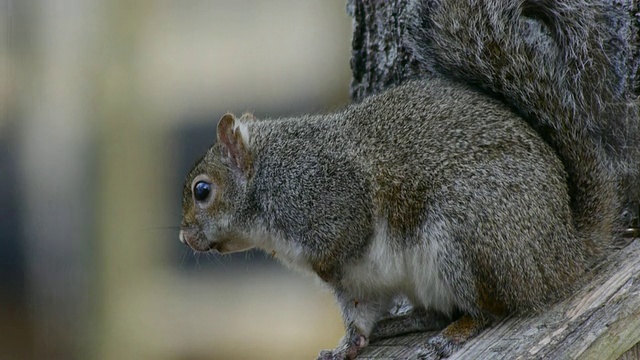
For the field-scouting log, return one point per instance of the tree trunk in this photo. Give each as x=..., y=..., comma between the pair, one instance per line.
x=379, y=59
x=602, y=320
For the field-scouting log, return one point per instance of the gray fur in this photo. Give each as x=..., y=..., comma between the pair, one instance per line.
x=549, y=60
x=431, y=189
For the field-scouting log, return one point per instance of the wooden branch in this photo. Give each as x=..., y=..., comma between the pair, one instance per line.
x=600, y=321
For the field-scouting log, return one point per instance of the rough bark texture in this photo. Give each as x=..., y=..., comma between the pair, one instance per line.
x=379, y=59
x=603, y=320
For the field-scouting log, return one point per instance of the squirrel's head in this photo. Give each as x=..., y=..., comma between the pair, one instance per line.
x=214, y=194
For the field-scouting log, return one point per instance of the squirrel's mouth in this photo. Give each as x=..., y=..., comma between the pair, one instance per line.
x=223, y=243
x=196, y=240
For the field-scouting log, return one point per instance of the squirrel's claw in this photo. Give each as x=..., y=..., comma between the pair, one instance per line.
x=348, y=350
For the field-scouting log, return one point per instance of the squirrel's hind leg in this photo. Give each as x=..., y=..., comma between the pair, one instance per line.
x=452, y=337
x=418, y=320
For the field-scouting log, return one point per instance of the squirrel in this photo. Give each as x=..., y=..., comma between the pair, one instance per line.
x=478, y=192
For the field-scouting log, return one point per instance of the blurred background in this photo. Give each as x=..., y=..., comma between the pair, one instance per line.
x=104, y=106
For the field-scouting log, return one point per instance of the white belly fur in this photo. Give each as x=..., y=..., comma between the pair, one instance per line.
x=412, y=271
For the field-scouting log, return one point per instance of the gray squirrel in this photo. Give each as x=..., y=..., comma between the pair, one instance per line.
x=435, y=189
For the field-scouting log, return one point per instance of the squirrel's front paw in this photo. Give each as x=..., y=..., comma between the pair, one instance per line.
x=332, y=355
x=338, y=354
x=347, y=351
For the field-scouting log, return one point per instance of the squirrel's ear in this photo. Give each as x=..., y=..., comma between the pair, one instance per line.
x=234, y=138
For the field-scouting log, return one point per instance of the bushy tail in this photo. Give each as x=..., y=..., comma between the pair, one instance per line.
x=546, y=59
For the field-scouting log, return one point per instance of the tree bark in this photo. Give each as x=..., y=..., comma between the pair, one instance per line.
x=600, y=321
x=379, y=58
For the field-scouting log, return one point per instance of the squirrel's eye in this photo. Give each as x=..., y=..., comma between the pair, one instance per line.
x=201, y=190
